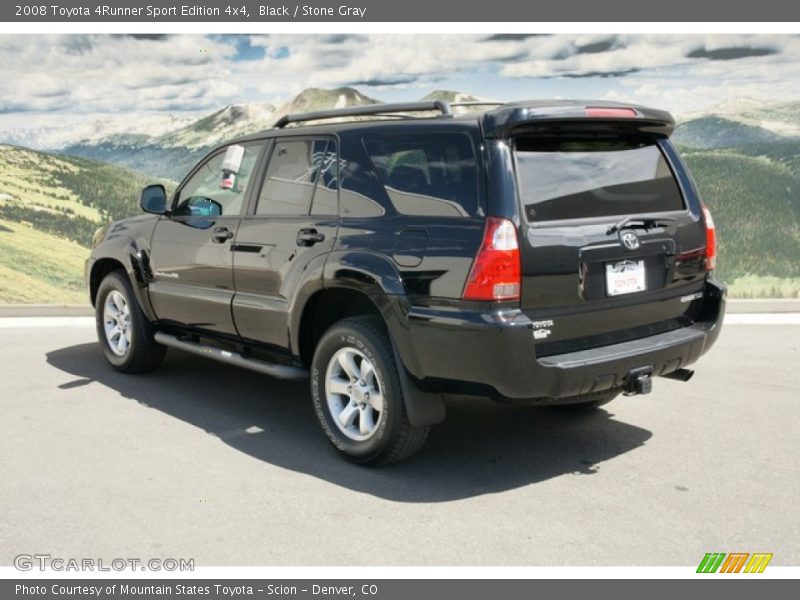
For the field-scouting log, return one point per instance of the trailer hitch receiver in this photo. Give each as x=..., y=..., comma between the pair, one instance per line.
x=639, y=381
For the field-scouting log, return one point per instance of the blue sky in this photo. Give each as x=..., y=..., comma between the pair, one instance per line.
x=61, y=80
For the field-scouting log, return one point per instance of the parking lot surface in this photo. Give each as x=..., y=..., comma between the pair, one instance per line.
x=201, y=460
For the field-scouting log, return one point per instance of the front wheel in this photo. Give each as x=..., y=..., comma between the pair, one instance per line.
x=357, y=396
x=125, y=334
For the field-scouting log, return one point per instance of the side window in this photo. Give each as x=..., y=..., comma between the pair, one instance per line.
x=326, y=195
x=427, y=175
x=218, y=188
x=294, y=167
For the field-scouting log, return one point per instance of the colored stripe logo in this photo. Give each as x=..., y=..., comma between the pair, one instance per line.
x=735, y=562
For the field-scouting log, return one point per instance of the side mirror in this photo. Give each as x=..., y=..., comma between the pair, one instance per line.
x=154, y=199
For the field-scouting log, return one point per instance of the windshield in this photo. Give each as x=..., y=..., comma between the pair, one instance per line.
x=563, y=177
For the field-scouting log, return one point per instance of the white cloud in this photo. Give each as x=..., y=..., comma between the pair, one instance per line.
x=76, y=74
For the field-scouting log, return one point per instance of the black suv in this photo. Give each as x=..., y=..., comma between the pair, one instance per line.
x=549, y=252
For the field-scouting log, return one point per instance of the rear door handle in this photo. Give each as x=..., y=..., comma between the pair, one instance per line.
x=221, y=235
x=309, y=237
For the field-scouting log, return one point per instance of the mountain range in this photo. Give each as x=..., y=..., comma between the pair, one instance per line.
x=173, y=150
x=172, y=153
x=744, y=157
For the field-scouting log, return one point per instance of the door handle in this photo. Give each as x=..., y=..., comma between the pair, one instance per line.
x=309, y=237
x=221, y=235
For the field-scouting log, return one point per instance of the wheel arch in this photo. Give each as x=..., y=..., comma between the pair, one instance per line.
x=352, y=284
x=134, y=263
x=101, y=268
x=351, y=289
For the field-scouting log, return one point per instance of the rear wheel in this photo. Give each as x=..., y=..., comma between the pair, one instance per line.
x=357, y=397
x=125, y=334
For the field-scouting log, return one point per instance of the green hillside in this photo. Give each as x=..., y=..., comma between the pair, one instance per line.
x=756, y=207
x=719, y=132
x=747, y=166
x=50, y=206
x=39, y=268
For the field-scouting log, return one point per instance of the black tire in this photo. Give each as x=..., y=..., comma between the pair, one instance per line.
x=142, y=353
x=393, y=438
x=586, y=402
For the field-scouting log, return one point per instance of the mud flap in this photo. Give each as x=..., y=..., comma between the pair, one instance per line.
x=422, y=408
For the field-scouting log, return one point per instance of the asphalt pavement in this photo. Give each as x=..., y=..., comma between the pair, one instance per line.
x=205, y=461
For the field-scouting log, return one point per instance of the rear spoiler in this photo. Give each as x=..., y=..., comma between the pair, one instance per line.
x=520, y=117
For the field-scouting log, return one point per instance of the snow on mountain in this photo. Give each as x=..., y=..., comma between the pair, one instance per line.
x=57, y=137
x=172, y=154
x=232, y=121
x=314, y=99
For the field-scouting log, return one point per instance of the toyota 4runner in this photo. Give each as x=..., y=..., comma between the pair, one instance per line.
x=547, y=252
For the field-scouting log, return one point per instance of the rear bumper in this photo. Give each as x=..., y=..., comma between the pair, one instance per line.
x=494, y=353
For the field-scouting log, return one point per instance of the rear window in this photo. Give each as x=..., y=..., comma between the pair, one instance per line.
x=573, y=178
x=427, y=175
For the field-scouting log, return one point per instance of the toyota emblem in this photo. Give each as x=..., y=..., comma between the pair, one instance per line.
x=629, y=240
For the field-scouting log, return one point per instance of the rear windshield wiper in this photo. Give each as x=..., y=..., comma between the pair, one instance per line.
x=640, y=221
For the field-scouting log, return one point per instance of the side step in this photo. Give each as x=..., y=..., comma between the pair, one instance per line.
x=232, y=358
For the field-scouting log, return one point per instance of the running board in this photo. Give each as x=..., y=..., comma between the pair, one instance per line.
x=232, y=358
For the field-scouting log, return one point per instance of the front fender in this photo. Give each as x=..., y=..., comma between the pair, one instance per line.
x=130, y=247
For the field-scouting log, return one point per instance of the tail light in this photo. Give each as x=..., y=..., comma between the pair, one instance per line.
x=496, y=272
x=711, y=240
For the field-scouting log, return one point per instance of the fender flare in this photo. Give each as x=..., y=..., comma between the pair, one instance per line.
x=377, y=278
x=135, y=261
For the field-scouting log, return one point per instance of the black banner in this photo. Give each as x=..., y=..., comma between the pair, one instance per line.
x=391, y=589
x=263, y=11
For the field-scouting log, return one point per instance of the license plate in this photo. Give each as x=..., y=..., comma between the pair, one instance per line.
x=625, y=277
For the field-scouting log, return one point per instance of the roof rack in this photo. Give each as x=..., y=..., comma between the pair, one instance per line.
x=369, y=109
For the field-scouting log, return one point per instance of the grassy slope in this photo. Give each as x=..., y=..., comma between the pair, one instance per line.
x=36, y=267
x=31, y=178
x=764, y=286
x=756, y=207
x=49, y=207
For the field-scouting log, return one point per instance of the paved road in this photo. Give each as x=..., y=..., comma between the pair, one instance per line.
x=199, y=460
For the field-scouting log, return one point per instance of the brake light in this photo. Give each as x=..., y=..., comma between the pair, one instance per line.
x=496, y=272
x=610, y=112
x=711, y=240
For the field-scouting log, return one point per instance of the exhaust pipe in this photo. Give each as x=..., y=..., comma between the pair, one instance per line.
x=680, y=375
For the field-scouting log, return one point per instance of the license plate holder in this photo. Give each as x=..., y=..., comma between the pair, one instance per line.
x=625, y=277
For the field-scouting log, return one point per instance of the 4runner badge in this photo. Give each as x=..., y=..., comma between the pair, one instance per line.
x=629, y=240
x=166, y=274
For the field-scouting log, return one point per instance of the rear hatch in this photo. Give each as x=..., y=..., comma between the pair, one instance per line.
x=612, y=245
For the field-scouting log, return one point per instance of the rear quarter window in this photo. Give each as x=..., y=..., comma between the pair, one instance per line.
x=571, y=178
x=427, y=175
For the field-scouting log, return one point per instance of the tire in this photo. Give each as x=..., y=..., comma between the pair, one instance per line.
x=124, y=333
x=587, y=402
x=357, y=396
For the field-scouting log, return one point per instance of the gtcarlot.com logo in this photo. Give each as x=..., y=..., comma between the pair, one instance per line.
x=43, y=562
x=734, y=562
